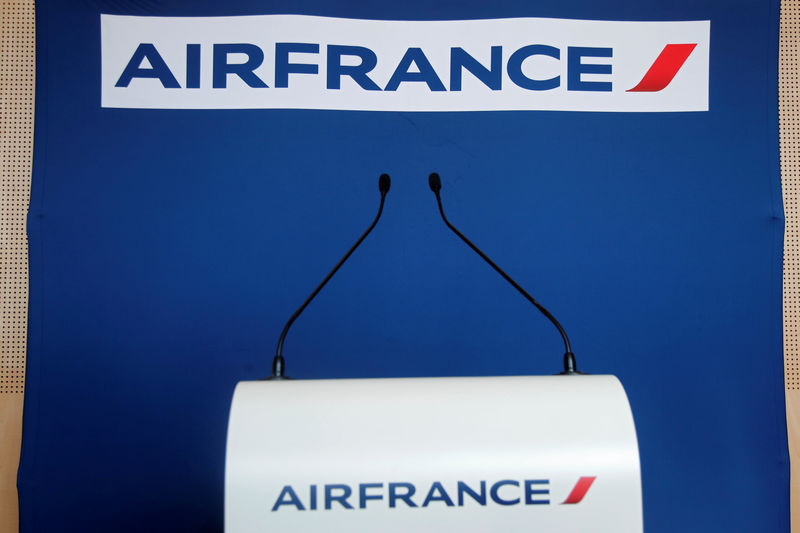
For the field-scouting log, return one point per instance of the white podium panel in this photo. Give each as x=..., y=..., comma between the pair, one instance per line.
x=550, y=454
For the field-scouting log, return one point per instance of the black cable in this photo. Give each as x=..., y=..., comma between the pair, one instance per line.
x=278, y=362
x=570, y=365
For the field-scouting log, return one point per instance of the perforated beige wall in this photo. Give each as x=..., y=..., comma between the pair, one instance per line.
x=790, y=175
x=17, y=55
x=16, y=149
x=789, y=107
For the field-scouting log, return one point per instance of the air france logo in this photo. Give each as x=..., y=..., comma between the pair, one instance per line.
x=506, y=492
x=302, y=62
x=414, y=67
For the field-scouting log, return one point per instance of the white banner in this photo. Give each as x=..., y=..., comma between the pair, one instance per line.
x=307, y=62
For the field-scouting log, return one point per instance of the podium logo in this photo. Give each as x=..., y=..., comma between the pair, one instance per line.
x=296, y=61
x=505, y=492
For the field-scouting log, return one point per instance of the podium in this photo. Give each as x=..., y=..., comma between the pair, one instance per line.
x=551, y=454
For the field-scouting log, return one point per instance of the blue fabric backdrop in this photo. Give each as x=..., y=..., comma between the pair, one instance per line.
x=167, y=248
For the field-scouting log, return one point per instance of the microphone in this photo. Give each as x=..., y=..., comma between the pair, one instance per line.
x=278, y=364
x=570, y=365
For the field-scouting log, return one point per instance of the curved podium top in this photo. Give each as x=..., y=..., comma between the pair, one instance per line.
x=486, y=454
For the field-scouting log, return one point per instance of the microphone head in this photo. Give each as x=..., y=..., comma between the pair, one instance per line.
x=384, y=182
x=435, y=182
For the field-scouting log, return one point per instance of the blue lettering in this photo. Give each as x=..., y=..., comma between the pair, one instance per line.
x=536, y=492
x=496, y=489
x=159, y=68
x=282, y=66
x=288, y=492
x=515, y=67
x=575, y=68
x=192, y=66
x=342, y=498
x=358, y=72
x=530, y=491
x=478, y=497
x=394, y=496
x=441, y=497
x=426, y=73
x=255, y=56
x=363, y=497
x=491, y=77
x=414, y=66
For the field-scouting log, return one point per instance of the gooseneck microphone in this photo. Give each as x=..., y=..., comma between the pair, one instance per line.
x=570, y=366
x=384, y=182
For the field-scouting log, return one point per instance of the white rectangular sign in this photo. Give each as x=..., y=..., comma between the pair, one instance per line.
x=307, y=62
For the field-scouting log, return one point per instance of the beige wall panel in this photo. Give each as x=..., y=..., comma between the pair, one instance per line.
x=17, y=55
x=10, y=434
x=789, y=107
x=793, y=421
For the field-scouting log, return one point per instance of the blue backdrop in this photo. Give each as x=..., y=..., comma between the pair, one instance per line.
x=167, y=248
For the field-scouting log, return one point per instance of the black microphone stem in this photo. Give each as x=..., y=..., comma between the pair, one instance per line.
x=570, y=365
x=278, y=362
